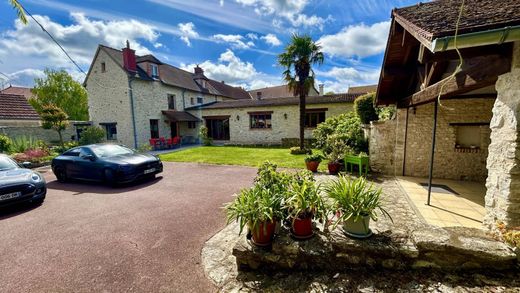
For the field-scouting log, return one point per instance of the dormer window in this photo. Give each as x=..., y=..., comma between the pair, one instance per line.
x=154, y=70
x=203, y=83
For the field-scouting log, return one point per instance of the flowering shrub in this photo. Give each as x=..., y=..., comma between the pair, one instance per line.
x=32, y=155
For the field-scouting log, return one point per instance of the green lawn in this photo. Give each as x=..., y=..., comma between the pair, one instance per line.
x=244, y=156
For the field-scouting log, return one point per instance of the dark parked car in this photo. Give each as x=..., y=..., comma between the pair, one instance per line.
x=108, y=163
x=18, y=184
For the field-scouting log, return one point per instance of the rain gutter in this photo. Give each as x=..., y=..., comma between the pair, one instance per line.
x=477, y=39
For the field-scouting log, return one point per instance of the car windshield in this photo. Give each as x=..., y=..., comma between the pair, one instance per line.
x=110, y=150
x=7, y=164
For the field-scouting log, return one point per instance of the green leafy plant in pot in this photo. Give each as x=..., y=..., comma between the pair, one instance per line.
x=338, y=148
x=313, y=161
x=259, y=209
x=303, y=204
x=355, y=202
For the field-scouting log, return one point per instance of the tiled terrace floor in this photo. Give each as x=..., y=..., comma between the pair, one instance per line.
x=464, y=208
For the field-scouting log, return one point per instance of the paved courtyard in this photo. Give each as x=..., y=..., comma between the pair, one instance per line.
x=145, y=237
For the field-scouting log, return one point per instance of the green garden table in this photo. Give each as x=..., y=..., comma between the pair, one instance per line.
x=361, y=162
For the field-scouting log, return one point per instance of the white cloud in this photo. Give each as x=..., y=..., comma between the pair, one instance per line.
x=271, y=39
x=289, y=10
x=357, y=40
x=340, y=78
x=236, y=41
x=252, y=36
x=187, y=32
x=231, y=69
x=80, y=39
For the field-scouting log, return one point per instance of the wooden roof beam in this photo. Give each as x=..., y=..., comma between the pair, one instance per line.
x=478, y=72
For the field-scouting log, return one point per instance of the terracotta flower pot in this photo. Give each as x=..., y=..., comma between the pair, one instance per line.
x=312, y=166
x=334, y=168
x=302, y=228
x=263, y=234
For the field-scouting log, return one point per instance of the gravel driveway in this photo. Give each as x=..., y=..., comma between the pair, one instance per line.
x=143, y=238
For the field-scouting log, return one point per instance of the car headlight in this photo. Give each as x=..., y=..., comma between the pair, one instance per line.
x=36, y=177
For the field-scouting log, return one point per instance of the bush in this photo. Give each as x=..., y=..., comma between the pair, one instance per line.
x=365, y=109
x=91, y=135
x=345, y=127
x=314, y=158
x=22, y=143
x=32, y=155
x=66, y=146
x=385, y=113
x=298, y=151
x=5, y=144
x=206, y=140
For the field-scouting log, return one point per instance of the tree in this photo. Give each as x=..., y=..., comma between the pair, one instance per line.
x=330, y=93
x=19, y=11
x=297, y=59
x=54, y=118
x=60, y=89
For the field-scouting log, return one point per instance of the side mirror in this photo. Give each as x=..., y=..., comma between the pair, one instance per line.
x=26, y=164
x=89, y=157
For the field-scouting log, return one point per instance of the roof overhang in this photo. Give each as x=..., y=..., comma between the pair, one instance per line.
x=180, y=116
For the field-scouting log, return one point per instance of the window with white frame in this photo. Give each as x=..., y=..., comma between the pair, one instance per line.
x=154, y=70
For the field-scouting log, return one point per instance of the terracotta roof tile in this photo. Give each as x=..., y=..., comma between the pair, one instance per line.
x=276, y=92
x=438, y=18
x=16, y=90
x=364, y=89
x=16, y=107
x=337, y=98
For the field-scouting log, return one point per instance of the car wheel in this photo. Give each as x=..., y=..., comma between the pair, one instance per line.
x=61, y=174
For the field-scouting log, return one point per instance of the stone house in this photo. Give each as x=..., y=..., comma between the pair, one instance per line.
x=455, y=120
x=137, y=98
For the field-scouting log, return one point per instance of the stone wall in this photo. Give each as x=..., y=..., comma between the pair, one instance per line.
x=503, y=163
x=282, y=127
x=34, y=130
x=388, y=150
x=385, y=142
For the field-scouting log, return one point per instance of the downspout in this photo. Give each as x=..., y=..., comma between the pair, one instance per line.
x=405, y=140
x=477, y=39
x=131, y=95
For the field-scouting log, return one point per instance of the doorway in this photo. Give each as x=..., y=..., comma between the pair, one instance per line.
x=174, y=129
x=218, y=127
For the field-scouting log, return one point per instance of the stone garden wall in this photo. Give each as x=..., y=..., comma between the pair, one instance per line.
x=34, y=130
x=388, y=151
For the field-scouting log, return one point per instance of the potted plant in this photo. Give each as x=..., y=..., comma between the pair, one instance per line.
x=303, y=204
x=259, y=209
x=313, y=161
x=334, y=164
x=355, y=203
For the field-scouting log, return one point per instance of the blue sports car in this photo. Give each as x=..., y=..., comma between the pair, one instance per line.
x=107, y=163
x=18, y=184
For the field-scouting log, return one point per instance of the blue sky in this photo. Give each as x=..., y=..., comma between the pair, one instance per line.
x=233, y=40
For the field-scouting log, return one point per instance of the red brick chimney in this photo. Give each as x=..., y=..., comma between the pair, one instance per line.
x=129, y=59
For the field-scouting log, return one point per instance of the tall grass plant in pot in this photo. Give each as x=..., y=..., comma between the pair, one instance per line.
x=258, y=209
x=303, y=204
x=356, y=202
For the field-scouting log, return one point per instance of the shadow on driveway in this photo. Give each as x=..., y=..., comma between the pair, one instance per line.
x=80, y=187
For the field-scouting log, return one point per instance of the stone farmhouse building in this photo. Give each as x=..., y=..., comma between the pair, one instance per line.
x=463, y=117
x=137, y=98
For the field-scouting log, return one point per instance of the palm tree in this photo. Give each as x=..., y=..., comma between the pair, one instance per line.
x=299, y=56
x=19, y=10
